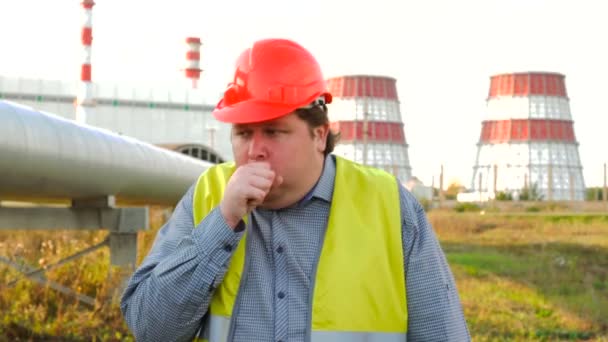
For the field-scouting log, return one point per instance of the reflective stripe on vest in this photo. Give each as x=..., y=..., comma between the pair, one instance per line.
x=220, y=327
x=345, y=336
x=216, y=329
x=360, y=282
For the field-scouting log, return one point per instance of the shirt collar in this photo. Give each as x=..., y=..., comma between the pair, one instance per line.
x=324, y=187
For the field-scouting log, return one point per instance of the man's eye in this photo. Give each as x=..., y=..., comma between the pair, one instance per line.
x=273, y=132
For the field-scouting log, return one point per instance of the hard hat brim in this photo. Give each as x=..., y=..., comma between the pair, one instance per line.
x=251, y=112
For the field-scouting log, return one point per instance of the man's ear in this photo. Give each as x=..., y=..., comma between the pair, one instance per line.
x=320, y=136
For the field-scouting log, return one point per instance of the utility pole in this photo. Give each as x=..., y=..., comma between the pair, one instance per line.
x=441, y=194
x=550, y=183
x=433, y=188
x=571, y=182
x=605, y=194
x=495, y=178
x=480, y=193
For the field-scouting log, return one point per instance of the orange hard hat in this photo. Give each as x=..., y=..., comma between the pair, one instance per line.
x=273, y=78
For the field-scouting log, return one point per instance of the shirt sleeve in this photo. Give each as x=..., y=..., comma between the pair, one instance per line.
x=434, y=308
x=169, y=293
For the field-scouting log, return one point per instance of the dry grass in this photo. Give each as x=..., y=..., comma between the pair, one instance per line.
x=32, y=311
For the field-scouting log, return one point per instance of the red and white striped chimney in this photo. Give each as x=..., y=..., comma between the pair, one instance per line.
x=84, y=100
x=193, y=56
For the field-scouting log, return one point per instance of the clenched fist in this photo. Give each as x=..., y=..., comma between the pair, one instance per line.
x=246, y=190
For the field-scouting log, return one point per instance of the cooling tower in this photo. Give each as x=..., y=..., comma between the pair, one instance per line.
x=527, y=139
x=365, y=110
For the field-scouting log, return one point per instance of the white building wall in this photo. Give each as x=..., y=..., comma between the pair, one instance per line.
x=157, y=116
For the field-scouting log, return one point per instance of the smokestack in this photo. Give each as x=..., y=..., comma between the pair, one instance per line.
x=84, y=100
x=193, y=57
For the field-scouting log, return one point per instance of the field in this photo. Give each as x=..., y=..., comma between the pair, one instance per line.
x=532, y=275
x=529, y=277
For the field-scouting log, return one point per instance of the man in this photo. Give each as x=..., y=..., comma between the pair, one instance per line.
x=291, y=243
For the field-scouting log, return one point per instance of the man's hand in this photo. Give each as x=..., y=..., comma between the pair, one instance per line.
x=246, y=190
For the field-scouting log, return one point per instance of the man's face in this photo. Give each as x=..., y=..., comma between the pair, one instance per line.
x=292, y=150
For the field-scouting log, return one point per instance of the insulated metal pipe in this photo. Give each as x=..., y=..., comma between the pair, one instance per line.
x=44, y=156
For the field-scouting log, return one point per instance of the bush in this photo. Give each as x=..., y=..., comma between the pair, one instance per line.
x=425, y=203
x=504, y=196
x=531, y=193
x=594, y=194
x=466, y=207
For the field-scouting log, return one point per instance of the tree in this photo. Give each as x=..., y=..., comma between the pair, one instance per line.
x=594, y=194
x=530, y=193
x=504, y=196
x=454, y=189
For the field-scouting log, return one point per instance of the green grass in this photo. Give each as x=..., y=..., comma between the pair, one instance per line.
x=529, y=277
x=572, y=278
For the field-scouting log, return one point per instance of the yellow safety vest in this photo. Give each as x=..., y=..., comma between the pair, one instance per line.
x=359, y=292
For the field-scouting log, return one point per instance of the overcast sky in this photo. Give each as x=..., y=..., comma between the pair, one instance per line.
x=442, y=54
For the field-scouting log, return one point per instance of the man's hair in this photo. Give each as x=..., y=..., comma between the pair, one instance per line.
x=315, y=117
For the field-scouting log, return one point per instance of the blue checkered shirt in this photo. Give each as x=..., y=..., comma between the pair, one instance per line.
x=168, y=295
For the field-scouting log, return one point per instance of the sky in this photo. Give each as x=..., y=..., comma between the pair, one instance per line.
x=441, y=52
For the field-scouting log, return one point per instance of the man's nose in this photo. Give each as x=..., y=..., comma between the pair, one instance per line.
x=258, y=150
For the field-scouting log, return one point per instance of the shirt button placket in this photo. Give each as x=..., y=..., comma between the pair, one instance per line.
x=281, y=279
